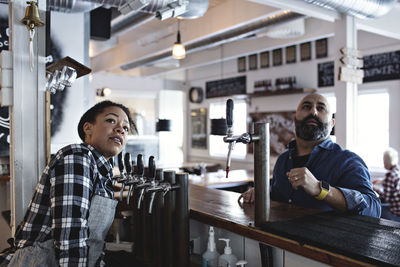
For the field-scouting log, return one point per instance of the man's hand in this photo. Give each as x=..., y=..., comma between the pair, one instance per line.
x=304, y=178
x=248, y=196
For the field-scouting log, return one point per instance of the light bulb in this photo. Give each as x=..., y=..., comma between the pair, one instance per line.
x=178, y=51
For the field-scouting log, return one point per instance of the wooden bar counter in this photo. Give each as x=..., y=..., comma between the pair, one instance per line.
x=221, y=209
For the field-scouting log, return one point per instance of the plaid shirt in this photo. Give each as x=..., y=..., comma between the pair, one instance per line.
x=390, y=191
x=60, y=205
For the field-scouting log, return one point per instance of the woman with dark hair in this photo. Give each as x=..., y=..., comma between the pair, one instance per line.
x=73, y=204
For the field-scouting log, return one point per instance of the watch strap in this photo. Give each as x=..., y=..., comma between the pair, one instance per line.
x=324, y=192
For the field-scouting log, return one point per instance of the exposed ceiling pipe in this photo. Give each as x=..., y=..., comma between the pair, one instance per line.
x=129, y=21
x=357, y=8
x=220, y=38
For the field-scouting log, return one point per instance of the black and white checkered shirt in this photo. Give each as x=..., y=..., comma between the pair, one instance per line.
x=59, y=208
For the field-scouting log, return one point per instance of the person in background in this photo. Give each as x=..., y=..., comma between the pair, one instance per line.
x=73, y=207
x=389, y=188
x=317, y=173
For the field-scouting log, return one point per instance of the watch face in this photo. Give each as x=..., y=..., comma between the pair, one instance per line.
x=196, y=95
x=325, y=185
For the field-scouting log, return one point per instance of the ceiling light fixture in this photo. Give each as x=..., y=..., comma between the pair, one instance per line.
x=178, y=50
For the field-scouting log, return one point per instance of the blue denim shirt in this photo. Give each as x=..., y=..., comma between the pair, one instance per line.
x=341, y=168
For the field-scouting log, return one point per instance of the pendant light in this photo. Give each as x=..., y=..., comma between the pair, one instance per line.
x=178, y=50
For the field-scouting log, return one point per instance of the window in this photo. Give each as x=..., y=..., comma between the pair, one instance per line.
x=218, y=147
x=373, y=127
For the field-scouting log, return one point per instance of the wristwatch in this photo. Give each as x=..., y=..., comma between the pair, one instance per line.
x=325, y=188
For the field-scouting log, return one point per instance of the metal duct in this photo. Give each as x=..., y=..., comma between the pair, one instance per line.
x=195, y=8
x=357, y=8
x=75, y=6
x=224, y=37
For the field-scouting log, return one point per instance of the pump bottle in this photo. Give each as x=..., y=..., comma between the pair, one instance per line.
x=210, y=257
x=227, y=259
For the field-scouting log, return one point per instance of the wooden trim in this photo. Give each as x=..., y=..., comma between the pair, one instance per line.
x=4, y=178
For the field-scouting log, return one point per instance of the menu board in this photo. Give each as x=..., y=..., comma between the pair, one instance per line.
x=226, y=87
x=382, y=67
x=326, y=74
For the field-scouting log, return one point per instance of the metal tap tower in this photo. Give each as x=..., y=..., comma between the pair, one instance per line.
x=260, y=138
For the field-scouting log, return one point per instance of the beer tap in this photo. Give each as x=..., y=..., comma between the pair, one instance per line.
x=260, y=138
x=128, y=170
x=117, y=178
x=136, y=178
x=150, y=181
x=230, y=138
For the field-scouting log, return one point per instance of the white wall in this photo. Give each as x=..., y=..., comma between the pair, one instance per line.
x=71, y=32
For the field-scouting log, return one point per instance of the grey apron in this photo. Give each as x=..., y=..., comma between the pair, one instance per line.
x=101, y=216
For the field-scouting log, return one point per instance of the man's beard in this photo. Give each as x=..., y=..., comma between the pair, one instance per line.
x=312, y=132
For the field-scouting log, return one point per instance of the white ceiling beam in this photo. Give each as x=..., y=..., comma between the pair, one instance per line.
x=299, y=6
x=314, y=29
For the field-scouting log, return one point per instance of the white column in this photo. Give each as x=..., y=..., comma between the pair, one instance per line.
x=346, y=93
x=27, y=131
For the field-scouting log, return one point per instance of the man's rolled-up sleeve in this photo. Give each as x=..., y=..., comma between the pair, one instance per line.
x=355, y=184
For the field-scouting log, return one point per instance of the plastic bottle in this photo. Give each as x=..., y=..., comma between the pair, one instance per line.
x=210, y=257
x=227, y=259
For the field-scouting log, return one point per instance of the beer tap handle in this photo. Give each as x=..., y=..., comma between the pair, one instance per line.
x=140, y=165
x=229, y=116
x=152, y=169
x=120, y=164
x=229, y=132
x=128, y=163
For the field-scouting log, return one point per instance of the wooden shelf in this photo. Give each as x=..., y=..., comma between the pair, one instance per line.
x=4, y=178
x=283, y=92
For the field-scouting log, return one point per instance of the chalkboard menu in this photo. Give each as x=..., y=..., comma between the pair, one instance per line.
x=326, y=75
x=226, y=87
x=381, y=67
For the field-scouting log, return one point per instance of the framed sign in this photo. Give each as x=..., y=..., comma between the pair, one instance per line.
x=321, y=48
x=326, y=74
x=291, y=54
x=282, y=129
x=226, y=87
x=241, y=62
x=305, y=51
x=264, y=59
x=253, y=62
x=277, y=57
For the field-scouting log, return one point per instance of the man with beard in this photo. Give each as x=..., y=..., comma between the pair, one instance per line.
x=317, y=173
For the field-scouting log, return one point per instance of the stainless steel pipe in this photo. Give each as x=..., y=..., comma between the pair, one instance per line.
x=261, y=173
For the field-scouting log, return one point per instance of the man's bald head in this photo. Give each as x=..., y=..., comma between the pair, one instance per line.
x=313, y=118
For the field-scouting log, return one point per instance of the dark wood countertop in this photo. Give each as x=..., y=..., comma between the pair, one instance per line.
x=221, y=209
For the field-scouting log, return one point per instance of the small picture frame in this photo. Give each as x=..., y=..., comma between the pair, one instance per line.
x=253, y=62
x=321, y=48
x=291, y=54
x=241, y=62
x=277, y=57
x=305, y=51
x=264, y=59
